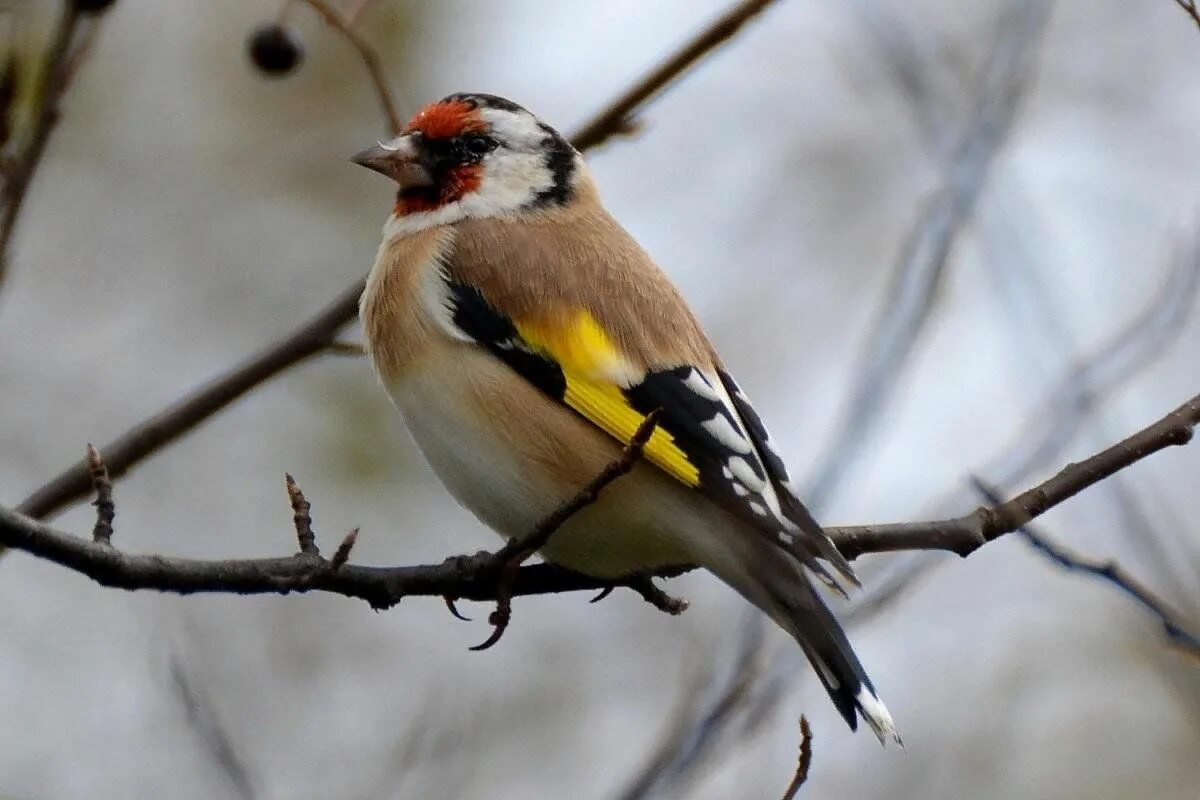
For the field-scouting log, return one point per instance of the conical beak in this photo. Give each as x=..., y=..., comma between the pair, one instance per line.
x=405, y=162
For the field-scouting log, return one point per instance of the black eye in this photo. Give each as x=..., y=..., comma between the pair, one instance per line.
x=479, y=144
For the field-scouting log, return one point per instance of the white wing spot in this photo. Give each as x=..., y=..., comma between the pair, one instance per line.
x=786, y=537
x=742, y=470
x=721, y=429
x=739, y=490
x=700, y=385
x=727, y=474
x=758, y=508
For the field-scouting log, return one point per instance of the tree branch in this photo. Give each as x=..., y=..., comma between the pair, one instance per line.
x=804, y=761
x=481, y=577
x=1189, y=7
x=315, y=335
x=963, y=535
x=61, y=65
x=1108, y=571
x=367, y=54
x=619, y=117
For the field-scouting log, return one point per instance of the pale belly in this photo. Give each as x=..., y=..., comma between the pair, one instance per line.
x=511, y=458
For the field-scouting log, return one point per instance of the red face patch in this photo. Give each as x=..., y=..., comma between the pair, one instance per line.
x=458, y=183
x=446, y=120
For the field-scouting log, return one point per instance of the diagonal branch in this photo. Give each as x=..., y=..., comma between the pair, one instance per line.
x=963, y=535
x=61, y=65
x=1108, y=571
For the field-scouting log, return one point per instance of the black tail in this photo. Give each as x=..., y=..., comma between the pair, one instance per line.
x=775, y=582
x=811, y=624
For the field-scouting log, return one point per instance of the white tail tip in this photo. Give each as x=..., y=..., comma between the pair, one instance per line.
x=877, y=716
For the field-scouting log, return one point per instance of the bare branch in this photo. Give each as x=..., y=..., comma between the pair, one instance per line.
x=315, y=335
x=1105, y=570
x=963, y=535
x=301, y=517
x=482, y=577
x=618, y=117
x=147, y=437
x=1189, y=6
x=62, y=62
x=805, y=760
x=106, y=510
x=370, y=58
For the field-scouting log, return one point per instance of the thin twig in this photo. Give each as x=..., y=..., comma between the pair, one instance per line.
x=805, y=760
x=301, y=517
x=56, y=77
x=517, y=551
x=479, y=577
x=342, y=554
x=1189, y=6
x=369, y=57
x=310, y=338
x=1109, y=571
x=106, y=510
x=618, y=117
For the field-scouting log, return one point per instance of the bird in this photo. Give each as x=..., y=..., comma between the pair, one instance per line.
x=524, y=336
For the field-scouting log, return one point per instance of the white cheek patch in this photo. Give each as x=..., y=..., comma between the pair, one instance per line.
x=511, y=180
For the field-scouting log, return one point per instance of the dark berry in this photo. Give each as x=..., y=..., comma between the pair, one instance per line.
x=275, y=50
x=91, y=6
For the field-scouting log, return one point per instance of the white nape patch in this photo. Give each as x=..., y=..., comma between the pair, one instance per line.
x=742, y=470
x=877, y=716
x=700, y=385
x=721, y=429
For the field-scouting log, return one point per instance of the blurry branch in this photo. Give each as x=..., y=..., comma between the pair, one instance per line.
x=202, y=716
x=319, y=334
x=1189, y=6
x=368, y=55
x=619, y=117
x=682, y=744
x=488, y=576
x=909, y=302
x=805, y=760
x=147, y=437
x=62, y=59
x=913, y=292
x=1105, y=570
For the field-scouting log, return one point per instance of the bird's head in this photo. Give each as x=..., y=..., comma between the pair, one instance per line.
x=473, y=155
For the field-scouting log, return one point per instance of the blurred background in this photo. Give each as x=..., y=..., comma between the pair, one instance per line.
x=930, y=238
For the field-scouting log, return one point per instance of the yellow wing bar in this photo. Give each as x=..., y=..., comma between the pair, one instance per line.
x=591, y=365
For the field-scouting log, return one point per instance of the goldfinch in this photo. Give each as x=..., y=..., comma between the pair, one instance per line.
x=524, y=336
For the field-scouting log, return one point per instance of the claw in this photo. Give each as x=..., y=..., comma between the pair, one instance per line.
x=450, y=604
x=605, y=592
x=499, y=619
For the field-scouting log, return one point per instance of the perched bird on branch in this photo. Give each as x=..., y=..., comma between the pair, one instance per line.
x=524, y=336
